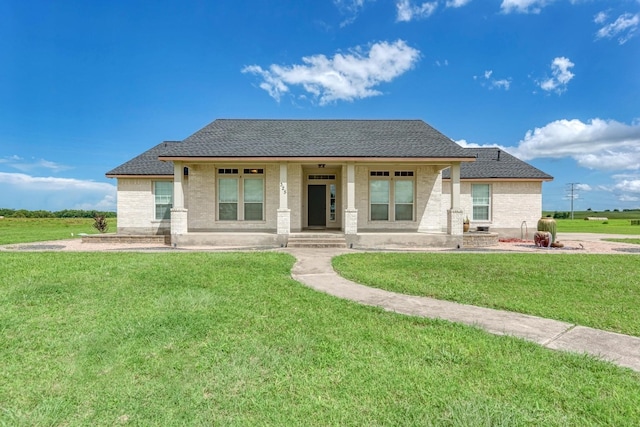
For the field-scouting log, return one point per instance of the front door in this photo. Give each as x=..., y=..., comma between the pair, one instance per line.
x=317, y=206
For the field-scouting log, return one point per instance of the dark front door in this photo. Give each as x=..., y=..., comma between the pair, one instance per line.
x=317, y=205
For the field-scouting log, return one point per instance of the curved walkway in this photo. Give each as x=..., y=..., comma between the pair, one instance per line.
x=313, y=268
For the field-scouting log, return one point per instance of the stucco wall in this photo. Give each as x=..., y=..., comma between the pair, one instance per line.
x=516, y=206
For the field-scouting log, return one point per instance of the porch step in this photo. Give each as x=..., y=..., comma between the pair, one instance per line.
x=316, y=240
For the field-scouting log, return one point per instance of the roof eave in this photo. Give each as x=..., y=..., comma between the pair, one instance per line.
x=434, y=160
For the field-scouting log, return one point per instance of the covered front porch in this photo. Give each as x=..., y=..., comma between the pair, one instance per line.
x=332, y=197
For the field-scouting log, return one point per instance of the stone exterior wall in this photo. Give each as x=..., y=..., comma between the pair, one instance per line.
x=516, y=206
x=427, y=203
x=136, y=208
x=294, y=196
x=202, y=191
x=202, y=195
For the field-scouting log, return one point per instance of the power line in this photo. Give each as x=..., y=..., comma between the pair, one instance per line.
x=572, y=193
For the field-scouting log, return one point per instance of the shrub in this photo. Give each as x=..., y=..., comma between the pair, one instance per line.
x=100, y=223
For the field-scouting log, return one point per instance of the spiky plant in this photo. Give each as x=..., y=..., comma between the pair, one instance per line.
x=548, y=224
x=100, y=223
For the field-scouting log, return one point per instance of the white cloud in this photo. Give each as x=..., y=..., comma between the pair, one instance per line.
x=457, y=3
x=524, y=6
x=583, y=187
x=344, y=77
x=623, y=28
x=487, y=81
x=600, y=17
x=598, y=144
x=52, y=193
x=21, y=164
x=560, y=75
x=349, y=8
x=407, y=11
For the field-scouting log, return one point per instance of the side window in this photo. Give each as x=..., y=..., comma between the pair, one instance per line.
x=481, y=198
x=163, y=193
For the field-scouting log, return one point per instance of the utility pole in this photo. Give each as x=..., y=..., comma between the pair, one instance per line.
x=573, y=193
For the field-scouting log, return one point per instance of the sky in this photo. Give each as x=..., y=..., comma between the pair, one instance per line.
x=87, y=85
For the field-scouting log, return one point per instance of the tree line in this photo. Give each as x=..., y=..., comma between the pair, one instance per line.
x=66, y=213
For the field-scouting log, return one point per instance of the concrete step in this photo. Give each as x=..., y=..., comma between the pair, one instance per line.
x=316, y=240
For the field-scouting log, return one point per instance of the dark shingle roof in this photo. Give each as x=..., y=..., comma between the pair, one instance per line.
x=147, y=163
x=496, y=163
x=317, y=138
x=328, y=138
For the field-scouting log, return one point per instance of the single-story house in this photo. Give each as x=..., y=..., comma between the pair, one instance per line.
x=378, y=182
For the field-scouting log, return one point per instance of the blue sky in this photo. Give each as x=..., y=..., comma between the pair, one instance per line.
x=87, y=85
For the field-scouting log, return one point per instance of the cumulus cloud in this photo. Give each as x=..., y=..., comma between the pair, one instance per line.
x=52, y=193
x=560, y=75
x=408, y=11
x=487, y=80
x=524, y=6
x=345, y=77
x=598, y=144
x=623, y=28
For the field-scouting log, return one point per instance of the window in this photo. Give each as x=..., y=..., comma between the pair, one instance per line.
x=391, y=195
x=481, y=197
x=163, y=191
x=403, y=196
x=253, y=199
x=379, y=200
x=332, y=202
x=240, y=199
x=228, y=199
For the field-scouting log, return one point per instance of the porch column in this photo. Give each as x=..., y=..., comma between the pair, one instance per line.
x=351, y=213
x=455, y=214
x=284, y=213
x=179, y=222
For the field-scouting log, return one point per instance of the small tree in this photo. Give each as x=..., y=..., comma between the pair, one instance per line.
x=100, y=223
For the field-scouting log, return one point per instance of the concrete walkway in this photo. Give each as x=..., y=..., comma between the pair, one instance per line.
x=313, y=268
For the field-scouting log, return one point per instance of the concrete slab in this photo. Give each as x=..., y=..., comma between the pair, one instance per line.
x=623, y=350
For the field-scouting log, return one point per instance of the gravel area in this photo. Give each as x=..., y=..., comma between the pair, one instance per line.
x=573, y=243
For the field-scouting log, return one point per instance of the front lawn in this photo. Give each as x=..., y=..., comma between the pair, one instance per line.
x=601, y=291
x=230, y=339
x=24, y=230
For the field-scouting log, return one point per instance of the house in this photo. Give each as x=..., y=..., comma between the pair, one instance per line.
x=378, y=182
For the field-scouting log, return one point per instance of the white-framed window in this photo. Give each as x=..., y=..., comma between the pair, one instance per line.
x=163, y=194
x=240, y=196
x=481, y=200
x=391, y=190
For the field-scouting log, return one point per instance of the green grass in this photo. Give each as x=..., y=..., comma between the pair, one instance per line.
x=230, y=339
x=631, y=241
x=611, y=226
x=24, y=230
x=601, y=291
